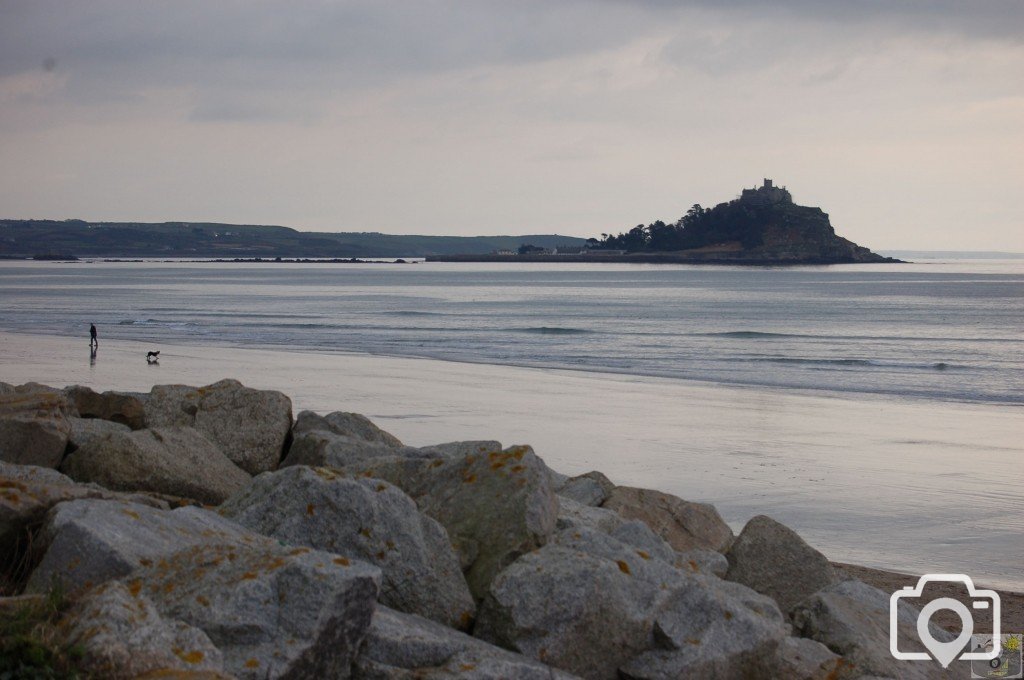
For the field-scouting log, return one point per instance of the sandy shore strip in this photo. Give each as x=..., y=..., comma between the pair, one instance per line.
x=890, y=581
x=906, y=485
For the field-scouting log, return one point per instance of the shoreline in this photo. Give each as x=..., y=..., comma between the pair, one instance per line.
x=611, y=372
x=661, y=258
x=1012, y=602
x=552, y=411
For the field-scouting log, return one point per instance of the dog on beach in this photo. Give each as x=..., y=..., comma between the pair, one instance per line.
x=152, y=357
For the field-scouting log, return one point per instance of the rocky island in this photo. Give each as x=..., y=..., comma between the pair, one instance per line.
x=763, y=226
x=203, y=532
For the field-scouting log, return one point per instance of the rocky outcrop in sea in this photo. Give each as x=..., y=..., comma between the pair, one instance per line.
x=202, y=532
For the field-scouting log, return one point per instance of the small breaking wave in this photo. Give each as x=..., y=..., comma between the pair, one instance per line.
x=552, y=330
x=155, y=322
x=872, y=363
x=763, y=335
x=753, y=335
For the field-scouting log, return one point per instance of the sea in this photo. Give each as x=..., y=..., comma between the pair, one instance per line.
x=934, y=330
x=874, y=408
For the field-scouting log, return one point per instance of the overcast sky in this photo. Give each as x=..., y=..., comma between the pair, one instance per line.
x=903, y=119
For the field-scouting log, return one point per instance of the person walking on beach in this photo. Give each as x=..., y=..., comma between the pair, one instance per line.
x=93, y=342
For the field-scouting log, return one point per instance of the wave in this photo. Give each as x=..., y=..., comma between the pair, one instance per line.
x=753, y=335
x=412, y=312
x=552, y=330
x=143, y=322
x=156, y=322
x=873, y=363
x=762, y=335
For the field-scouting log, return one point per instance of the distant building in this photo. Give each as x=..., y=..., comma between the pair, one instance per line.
x=505, y=251
x=766, y=194
x=570, y=250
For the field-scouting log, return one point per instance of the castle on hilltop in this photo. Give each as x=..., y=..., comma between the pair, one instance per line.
x=766, y=194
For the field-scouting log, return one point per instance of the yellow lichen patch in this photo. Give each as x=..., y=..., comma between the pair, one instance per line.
x=146, y=562
x=497, y=465
x=693, y=641
x=366, y=533
x=299, y=551
x=343, y=561
x=518, y=468
x=249, y=576
x=693, y=566
x=839, y=671
x=519, y=451
x=195, y=656
x=437, y=463
x=326, y=473
x=469, y=479
x=623, y=567
x=203, y=600
x=276, y=563
x=643, y=554
x=465, y=618
x=470, y=459
x=382, y=487
x=390, y=544
x=252, y=663
x=728, y=616
x=12, y=484
x=134, y=587
x=467, y=666
x=310, y=509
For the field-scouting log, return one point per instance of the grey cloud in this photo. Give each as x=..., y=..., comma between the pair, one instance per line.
x=235, y=57
x=364, y=34
x=985, y=19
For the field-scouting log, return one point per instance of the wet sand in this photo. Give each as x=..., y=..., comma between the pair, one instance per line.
x=906, y=485
x=890, y=581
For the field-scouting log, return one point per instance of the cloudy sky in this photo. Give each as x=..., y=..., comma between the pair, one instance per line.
x=904, y=119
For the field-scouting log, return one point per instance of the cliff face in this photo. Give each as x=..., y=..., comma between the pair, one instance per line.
x=794, y=232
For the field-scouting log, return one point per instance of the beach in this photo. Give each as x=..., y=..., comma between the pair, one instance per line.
x=893, y=483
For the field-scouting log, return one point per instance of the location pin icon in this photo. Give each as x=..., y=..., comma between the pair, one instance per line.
x=945, y=652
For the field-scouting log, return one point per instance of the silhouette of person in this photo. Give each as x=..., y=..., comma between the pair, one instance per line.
x=93, y=342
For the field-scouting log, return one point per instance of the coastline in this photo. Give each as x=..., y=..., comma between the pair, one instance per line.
x=813, y=461
x=710, y=258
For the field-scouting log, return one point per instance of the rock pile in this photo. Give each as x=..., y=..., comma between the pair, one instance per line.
x=202, y=533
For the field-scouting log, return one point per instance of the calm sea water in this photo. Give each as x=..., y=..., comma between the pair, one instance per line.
x=949, y=331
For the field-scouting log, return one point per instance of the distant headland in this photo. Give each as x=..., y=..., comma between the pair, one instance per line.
x=76, y=239
x=762, y=226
